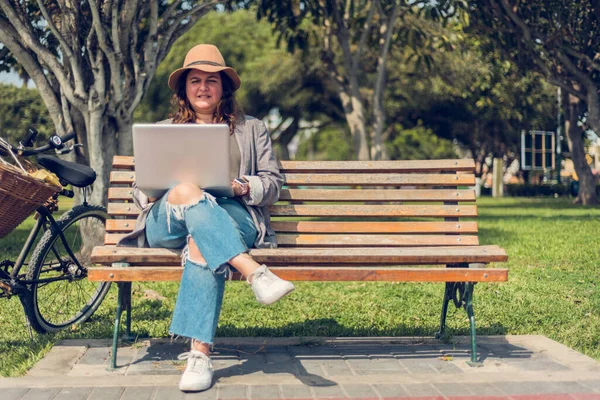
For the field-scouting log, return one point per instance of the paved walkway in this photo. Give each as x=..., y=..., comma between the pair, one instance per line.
x=514, y=367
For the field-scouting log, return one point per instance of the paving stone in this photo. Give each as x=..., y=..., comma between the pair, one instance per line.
x=336, y=367
x=484, y=389
x=106, y=393
x=264, y=392
x=287, y=367
x=516, y=388
x=168, y=393
x=225, y=362
x=592, y=384
x=328, y=391
x=426, y=366
x=296, y=392
x=306, y=367
x=570, y=387
x=369, y=367
x=536, y=364
x=40, y=394
x=252, y=362
x=137, y=393
x=391, y=390
x=96, y=356
x=420, y=390
x=452, y=389
x=13, y=393
x=233, y=392
x=73, y=394
x=278, y=357
x=360, y=391
x=210, y=394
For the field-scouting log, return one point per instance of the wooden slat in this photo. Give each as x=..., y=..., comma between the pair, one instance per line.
x=357, y=240
x=376, y=195
x=372, y=211
x=127, y=177
x=126, y=162
x=125, y=193
x=120, y=225
x=123, y=209
x=346, y=195
x=311, y=256
x=130, y=210
x=127, y=274
x=374, y=227
x=127, y=225
x=400, y=166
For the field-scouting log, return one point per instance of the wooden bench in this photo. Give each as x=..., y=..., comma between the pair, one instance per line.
x=400, y=221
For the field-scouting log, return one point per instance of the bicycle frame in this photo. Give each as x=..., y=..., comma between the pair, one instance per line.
x=45, y=217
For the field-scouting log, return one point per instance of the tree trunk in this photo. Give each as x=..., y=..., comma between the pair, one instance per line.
x=286, y=137
x=587, y=184
x=355, y=117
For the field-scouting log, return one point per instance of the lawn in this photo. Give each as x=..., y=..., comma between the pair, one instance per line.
x=552, y=291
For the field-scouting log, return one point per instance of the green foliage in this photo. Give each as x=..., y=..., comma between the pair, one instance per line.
x=22, y=108
x=419, y=143
x=552, y=291
x=327, y=144
x=471, y=96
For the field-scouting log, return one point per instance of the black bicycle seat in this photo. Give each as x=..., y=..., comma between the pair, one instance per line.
x=76, y=174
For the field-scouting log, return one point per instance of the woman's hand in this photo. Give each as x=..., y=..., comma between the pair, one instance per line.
x=240, y=189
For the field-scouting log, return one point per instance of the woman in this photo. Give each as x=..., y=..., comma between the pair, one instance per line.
x=214, y=232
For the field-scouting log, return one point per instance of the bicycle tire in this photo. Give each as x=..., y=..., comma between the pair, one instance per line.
x=45, y=311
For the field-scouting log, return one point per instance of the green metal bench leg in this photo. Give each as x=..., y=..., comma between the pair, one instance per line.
x=447, y=298
x=468, y=301
x=113, y=360
x=127, y=305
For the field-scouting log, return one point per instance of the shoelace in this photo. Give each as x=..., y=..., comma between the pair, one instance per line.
x=262, y=275
x=196, y=362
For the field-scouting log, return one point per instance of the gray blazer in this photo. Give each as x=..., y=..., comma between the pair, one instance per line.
x=257, y=164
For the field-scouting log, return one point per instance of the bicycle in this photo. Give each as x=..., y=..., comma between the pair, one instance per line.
x=54, y=291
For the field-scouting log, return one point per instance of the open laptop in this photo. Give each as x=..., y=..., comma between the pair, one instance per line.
x=169, y=154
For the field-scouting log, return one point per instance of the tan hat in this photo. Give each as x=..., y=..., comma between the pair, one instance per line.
x=207, y=58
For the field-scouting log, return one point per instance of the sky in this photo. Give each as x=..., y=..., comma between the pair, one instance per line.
x=11, y=78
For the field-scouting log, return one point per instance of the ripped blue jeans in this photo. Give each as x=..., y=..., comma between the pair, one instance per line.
x=222, y=228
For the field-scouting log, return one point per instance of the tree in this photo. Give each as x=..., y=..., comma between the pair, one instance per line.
x=473, y=97
x=92, y=61
x=561, y=40
x=343, y=34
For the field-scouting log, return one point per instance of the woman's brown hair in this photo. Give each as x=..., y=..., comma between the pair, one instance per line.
x=228, y=110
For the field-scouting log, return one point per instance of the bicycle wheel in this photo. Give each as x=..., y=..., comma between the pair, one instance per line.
x=64, y=296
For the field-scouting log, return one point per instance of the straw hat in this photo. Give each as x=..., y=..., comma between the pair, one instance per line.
x=207, y=58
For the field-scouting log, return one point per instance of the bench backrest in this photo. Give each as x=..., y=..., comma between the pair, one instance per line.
x=349, y=203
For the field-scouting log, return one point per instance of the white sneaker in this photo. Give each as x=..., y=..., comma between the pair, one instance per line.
x=198, y=374
x=268, y=287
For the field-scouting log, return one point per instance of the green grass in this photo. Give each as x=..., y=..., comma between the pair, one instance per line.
x=552, y=291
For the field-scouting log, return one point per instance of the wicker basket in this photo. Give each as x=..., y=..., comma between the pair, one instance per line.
x=20, y=195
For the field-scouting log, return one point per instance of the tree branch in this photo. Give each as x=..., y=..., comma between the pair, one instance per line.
x=364, y=35
x=582, y=57
x=68, y=53
x=113, y=63
x=25, y=35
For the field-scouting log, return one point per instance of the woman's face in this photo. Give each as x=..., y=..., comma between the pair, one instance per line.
x=203, y=90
